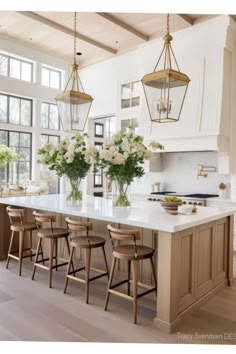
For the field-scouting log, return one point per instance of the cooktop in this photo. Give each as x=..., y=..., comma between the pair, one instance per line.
x=190, y=195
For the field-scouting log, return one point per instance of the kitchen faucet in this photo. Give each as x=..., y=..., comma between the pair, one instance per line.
x=202, y=170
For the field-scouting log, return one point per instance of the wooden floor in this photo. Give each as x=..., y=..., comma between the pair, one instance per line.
x=30, y=311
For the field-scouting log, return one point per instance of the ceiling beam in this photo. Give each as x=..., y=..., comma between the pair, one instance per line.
x=123, y=25
x=66, y=30
x=186, y=18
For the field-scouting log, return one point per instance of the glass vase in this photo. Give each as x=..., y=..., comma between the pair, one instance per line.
x=120, y=194
x=75, y=193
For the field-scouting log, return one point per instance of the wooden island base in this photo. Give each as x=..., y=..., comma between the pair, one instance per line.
x=192, y=264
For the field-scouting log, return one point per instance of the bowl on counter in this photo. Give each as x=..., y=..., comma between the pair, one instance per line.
x=171, y=207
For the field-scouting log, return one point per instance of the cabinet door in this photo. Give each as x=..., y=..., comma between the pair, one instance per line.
x=186, y=268
x=205, y=258
x=221, y=244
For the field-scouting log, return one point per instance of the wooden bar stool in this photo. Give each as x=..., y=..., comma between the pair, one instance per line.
x=20, y=226
x=86, y=242
x=52, y=234
x=132, y=253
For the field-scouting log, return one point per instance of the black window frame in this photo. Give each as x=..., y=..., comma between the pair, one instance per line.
x=95, y=133
x=8, y=109
x=31, y=154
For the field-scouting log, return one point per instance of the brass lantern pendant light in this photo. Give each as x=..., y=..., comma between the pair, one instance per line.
x=73, y=104
x=165, y=89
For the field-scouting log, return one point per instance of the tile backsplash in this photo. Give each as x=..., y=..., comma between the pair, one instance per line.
x=179, y=173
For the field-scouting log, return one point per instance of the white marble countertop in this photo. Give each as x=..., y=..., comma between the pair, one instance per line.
x=142, y=214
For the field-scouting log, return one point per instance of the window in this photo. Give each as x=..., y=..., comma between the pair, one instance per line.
x=16, y=68
x=49, y=116
x=130, y=94
x=20, y=171
x=51, y=78
x=127, y=124
x=15, y=110
x=98, y=180
x=98, y=130
x=98, y=145
x=46, y=175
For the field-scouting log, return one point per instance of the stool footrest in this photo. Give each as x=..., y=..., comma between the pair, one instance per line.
x=48, y=268
x=69, y=275
x=148, y=287
x=146, y=292
x=23, y=256
x=120, y=283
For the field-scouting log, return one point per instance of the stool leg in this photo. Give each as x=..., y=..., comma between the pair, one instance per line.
x=153, y=271
x=21, y=235
x=51, y=248
x=110, y=281
x=68, y=248
x=135, y=288
x=105, y=259
x=30, y=241
x=37, y=255
x=87, y=269
x=128, y=284
x=41, y=248
x=55, y=246
x=68, y=268
x=9, y=250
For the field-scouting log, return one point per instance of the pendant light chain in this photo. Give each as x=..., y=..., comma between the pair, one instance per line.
x=168, y=23
x=75, y=38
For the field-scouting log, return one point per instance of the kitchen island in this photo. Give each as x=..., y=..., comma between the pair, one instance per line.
x=194, y=253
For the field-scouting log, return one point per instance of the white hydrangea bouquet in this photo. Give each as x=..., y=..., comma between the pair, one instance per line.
x=72, y=158
x=122, y=161
x=6, y=155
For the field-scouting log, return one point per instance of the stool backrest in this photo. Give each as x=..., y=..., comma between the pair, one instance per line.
x=15, y=214
x=123, y=234
x=78, y=226
x=41, y=218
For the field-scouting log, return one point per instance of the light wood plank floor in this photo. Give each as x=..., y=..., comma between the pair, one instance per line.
x=30, y=311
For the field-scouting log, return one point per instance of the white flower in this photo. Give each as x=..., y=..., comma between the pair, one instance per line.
x=155, y=145
x=69, y=156
x=90, y=154
x=148, y=154
x=118, y=159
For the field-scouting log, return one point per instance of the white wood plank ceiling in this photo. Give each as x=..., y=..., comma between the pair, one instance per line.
x=99, y=35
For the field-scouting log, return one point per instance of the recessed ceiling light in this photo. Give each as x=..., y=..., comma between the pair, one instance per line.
x=31, y=38
x=116, y=41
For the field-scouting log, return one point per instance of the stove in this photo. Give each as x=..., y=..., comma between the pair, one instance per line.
x=191, y=198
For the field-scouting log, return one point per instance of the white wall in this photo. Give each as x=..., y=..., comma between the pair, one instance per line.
x=179, y=174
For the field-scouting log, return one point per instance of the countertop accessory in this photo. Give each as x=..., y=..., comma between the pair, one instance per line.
x=171, y=207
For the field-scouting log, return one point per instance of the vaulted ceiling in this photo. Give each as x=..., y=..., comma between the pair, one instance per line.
x=99, y=35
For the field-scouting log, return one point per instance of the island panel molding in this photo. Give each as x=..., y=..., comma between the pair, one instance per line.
x=196, y=251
